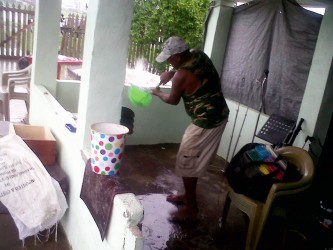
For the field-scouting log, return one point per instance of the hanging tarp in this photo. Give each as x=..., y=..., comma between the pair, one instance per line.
x=278, y=36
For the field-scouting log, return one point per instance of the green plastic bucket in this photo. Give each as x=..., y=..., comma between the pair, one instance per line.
x=139, y=97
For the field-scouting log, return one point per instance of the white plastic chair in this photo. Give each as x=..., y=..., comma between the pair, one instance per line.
x=4, y=102
x=8, y=89
x=12, y=74
x=19, y=89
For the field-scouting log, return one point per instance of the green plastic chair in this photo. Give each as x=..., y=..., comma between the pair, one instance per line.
x=258, y=211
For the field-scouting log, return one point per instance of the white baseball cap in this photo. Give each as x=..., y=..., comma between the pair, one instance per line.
x=173, y=45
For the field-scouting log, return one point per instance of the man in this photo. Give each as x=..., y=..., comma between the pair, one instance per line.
x=196, y=81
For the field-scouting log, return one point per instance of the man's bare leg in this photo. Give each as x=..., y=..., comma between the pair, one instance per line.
x=190, y=185
x=190, y=209
x=189, y=197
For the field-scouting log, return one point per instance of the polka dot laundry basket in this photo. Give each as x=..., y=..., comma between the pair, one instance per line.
x=107, y=146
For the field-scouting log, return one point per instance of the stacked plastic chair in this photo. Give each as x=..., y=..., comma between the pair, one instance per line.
x=14, y=85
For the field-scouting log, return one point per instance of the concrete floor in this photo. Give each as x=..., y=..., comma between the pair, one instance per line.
x=149, y=171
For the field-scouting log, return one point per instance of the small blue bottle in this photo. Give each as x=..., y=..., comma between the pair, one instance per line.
x=262, y=152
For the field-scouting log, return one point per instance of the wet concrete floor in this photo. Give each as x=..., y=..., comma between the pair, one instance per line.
x=149, y=172
x=148, y=169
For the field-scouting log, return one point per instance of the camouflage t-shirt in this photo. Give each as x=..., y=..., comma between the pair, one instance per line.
x=207, y=106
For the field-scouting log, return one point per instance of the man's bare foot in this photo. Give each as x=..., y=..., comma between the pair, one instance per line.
x=179, y=199
x=185, y=213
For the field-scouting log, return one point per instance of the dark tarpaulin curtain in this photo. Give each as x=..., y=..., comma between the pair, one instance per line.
x=275, y=35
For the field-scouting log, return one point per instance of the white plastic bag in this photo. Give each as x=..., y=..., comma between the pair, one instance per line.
x=32, y=197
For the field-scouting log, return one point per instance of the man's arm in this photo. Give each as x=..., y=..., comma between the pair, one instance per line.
x=165, y=77
x=177, y=89
x=183, y=82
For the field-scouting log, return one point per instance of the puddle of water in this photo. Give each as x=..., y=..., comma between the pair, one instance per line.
x=156, y=228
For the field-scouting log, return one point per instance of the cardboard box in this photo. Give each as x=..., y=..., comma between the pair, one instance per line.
x=40, y=140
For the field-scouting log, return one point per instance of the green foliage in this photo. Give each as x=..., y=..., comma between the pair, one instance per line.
x=156, y=20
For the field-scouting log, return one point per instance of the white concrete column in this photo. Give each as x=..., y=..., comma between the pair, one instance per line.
x=104, y=63
x=318, y=83
x=46, y=43
x=217, y=34
x=218, y=31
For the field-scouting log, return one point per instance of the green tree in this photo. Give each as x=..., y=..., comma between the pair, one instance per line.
x=156, y=20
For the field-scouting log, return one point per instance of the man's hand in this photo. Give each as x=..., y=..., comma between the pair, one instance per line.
x=166, y=77
x=156, y=91
x=174, y=95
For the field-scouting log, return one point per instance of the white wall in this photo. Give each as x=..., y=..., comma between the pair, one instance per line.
x=104, y=64
x=157, y=123
x=216, y=42
x=317, y=82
